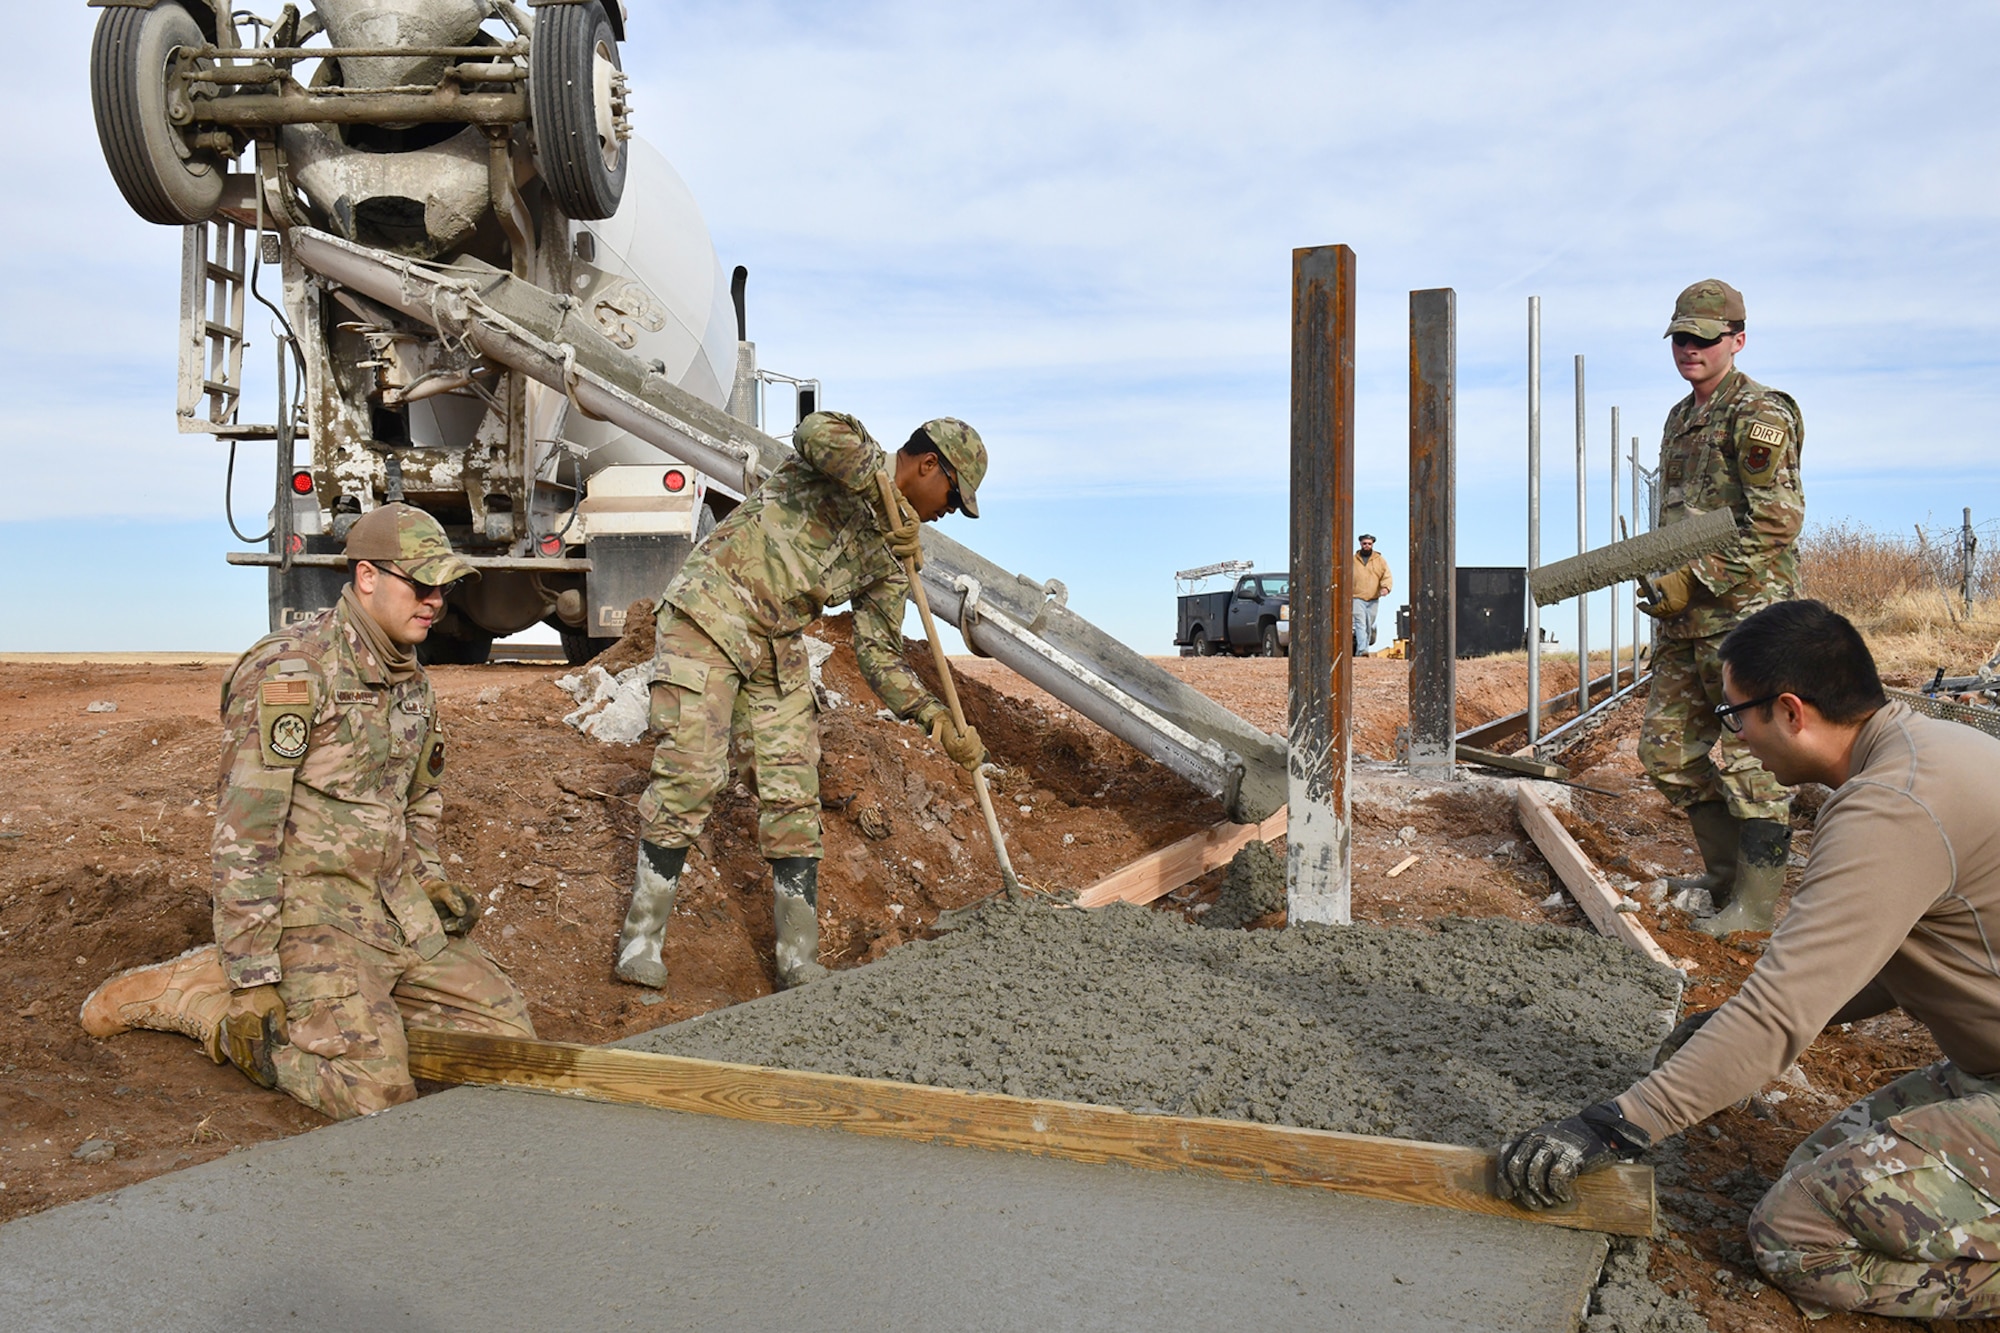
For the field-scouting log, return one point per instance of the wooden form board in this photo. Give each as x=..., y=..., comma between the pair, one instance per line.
x=1618, y=1200
x=1584, y=881
x=1160, y=873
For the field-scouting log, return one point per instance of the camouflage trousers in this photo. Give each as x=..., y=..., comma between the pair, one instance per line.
x=700, y=700
x=1893, y=1206
x=1687, y=752
x=347, y=1003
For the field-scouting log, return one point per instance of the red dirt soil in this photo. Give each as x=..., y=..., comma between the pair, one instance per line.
x=105, y=820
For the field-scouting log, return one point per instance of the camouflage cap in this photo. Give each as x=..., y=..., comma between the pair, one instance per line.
x=410, y=539
x=966, y=452
x=1706, y=309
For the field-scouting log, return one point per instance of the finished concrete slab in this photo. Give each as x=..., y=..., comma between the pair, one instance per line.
x=483, y=1209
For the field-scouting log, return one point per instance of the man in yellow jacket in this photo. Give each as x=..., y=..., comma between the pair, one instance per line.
x=1370, y=580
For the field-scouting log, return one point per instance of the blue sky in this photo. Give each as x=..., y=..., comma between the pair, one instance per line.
x=1072, y=226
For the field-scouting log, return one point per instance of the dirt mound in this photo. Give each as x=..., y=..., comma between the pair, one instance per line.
x=635, y=645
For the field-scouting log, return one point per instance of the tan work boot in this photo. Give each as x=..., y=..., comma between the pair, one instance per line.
x=1717, y=833
x=796, y=880
x=188, y=995
x=654, y=888
x=1760, y=876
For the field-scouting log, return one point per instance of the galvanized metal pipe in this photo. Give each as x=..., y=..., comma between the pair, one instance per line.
x=1617, y=696
x=1613, y=616
x=1582, y=545
x=1635, y=532
x=1534, y=512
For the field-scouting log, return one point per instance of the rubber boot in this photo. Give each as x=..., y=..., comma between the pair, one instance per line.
x=1717, y=833
x=796, y=880
x=654, y=886
x=1760, y=874
x=188, y=995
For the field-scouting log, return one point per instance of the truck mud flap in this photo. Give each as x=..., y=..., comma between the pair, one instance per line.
x=305, y=590
x=624, y=569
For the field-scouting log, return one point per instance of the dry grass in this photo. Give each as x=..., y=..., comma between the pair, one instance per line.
x=1903, y=596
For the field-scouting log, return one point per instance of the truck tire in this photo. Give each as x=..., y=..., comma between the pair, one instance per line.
x=1199, y=642
x=578, y=645
x=162, y=178
x=1270, y=643
x=572, y=66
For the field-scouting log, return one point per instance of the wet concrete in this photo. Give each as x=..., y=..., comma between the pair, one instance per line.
x=1468, y=1035
x=1252, y=887
x=479, y=1209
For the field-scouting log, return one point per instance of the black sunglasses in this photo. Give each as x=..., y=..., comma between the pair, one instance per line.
x=1726, y=713
x=952, y=503
x=422, y=590
x=1689, y=340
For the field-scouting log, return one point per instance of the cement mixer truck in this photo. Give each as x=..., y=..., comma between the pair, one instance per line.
x=469, y=137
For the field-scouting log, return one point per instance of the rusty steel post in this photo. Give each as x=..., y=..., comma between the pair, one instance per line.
x=1319, y=835
x=1433, y=533
x=1534, y=513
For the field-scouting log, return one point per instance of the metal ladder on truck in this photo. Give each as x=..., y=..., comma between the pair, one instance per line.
x=1018, y=621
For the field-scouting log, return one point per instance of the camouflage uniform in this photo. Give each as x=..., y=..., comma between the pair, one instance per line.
x=729, y=654
x=325, y=835
x=1893, y=1206
x=1742, y=452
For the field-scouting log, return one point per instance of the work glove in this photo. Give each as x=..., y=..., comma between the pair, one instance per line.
x=1678, y=1038
x=1540, y=1168
x=457, y=909
x=1668, y=594
x=961, y=744
x=905, y=530
x=253, y=1024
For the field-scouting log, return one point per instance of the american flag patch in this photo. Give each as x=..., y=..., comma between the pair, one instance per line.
x=279, y=692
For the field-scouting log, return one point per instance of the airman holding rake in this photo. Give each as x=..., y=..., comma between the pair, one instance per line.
x=729, y=658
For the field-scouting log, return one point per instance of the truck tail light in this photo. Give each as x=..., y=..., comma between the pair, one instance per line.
x=675, y=481
x=302, y=482
x=551, y=545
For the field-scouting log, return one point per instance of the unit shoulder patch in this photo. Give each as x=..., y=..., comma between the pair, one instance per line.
x=286, y=702
x=288, y=736
x=1763, y=432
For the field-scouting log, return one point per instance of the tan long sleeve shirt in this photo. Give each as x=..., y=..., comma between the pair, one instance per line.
x=1903, y=887
x=1371, y=576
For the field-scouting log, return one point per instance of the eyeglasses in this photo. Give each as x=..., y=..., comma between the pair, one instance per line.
x=1727, y=713
x=952, y=503
x=424, y=591
x=1689, y=340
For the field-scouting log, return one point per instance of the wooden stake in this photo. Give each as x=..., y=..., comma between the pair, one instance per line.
x=1618, y=1200
x=1593, y=893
